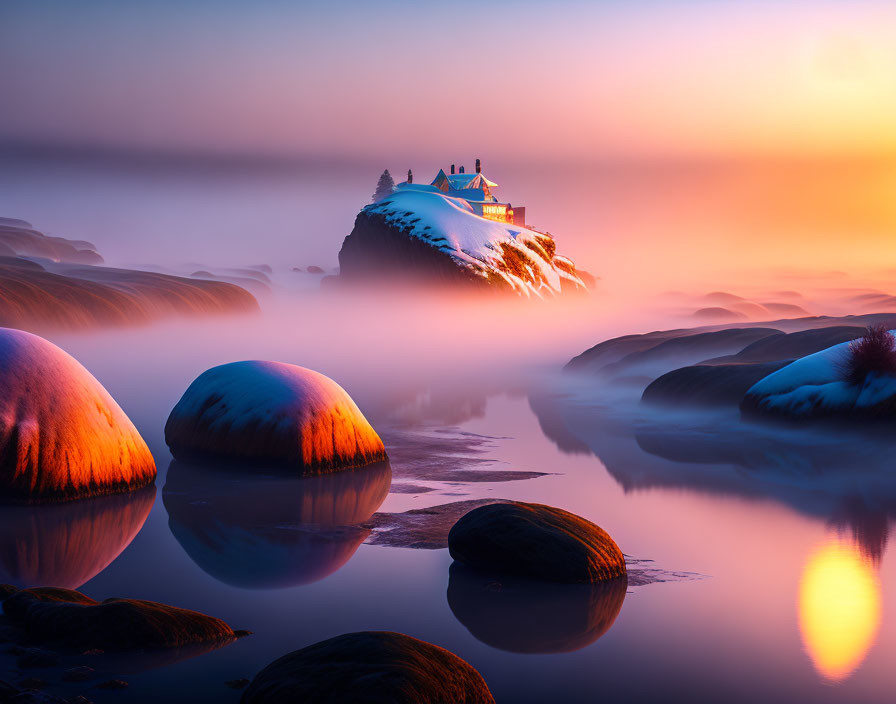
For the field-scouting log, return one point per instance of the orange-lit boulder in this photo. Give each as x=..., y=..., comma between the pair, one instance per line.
x=272, y=413
x=62, y=436
x=370, y=667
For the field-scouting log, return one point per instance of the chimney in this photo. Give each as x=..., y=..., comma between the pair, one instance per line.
x=410, y=176
x=452, y=169
x=478, y=167
x=460, y=170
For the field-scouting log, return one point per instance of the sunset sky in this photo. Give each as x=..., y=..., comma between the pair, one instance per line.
x=564, y=80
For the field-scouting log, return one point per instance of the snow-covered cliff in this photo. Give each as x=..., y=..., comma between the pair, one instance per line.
x=421, y=234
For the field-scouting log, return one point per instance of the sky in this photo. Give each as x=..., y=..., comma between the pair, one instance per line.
x=518, y=80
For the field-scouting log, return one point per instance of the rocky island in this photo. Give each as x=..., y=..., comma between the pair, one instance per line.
x=455, y=233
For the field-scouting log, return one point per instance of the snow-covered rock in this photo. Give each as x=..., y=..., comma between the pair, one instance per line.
x=62, y=436
x=419, y=233
x=814, y=388
x=273, y=413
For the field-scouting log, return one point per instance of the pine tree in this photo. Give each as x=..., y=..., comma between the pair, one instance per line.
x=384, y=186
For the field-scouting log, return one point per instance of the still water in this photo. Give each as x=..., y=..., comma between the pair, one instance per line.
x=780, y=580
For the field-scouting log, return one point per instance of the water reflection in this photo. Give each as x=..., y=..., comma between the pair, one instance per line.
x=845, y=480
x=839, y=608
x=266, y=531
x=524, y=616
x=66, y=545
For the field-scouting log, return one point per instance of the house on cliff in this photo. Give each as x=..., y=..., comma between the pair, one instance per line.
x=476, y=189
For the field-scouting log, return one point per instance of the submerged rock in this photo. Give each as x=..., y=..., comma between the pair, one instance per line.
x=529, y=616
x=272, y=413
x=62, y=436
x=537, y=541
x=370, y=667
x=72, y=620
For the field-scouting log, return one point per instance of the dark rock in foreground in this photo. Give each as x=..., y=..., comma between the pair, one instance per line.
x=527, y=616
x=370, y=667
x=536, y=541
x=708, y=385
x=72, y=620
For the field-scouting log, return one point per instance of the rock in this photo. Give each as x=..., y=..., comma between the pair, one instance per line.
x=62, y=436
x=22, y=239
x=815, y=388
x=529, y=616
x=81, y=673
x=73, y=620
x=370, y=667
x=241, y=683
x=67, y=544
x=417, y=235
x=536, y=541
x=257, y=531
x=297, y=269
x=314, y=270
x=708, y=385
x=272, y=413
x=113, y=684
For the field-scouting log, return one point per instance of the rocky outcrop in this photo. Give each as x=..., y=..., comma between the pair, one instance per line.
x=79, y=297
x=62, y=436
x=72, y=620
x=535, y=541
x=418, y=235
x=370, y=667
x=272, y=413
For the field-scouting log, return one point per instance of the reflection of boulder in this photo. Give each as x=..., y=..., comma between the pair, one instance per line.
x=267, y=531
x=271, y=412
x=62, y=436
x=376, y=667
x=65, y=545
x=525, y=616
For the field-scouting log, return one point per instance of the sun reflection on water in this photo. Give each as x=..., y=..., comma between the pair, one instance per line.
x=839, y=608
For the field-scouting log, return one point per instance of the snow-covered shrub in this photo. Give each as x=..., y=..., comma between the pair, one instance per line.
x=874, y=352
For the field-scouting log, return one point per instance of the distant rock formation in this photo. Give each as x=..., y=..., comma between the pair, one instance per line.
x=59, y=289
x=272, y=413
x=62, y=436
x=418, y=235
x=19, y=238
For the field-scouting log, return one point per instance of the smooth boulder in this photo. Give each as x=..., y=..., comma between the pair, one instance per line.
x=62, y=436
x=370, y=667
x=73, y=620
x=274, y=414
x=535, y=541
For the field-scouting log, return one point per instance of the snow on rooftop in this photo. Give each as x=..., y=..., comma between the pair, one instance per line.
x=477, y=243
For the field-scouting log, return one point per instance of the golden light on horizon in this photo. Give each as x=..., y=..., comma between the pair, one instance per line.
x=839, y=608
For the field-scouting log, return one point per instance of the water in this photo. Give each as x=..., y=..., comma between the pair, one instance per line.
x=783, y=535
